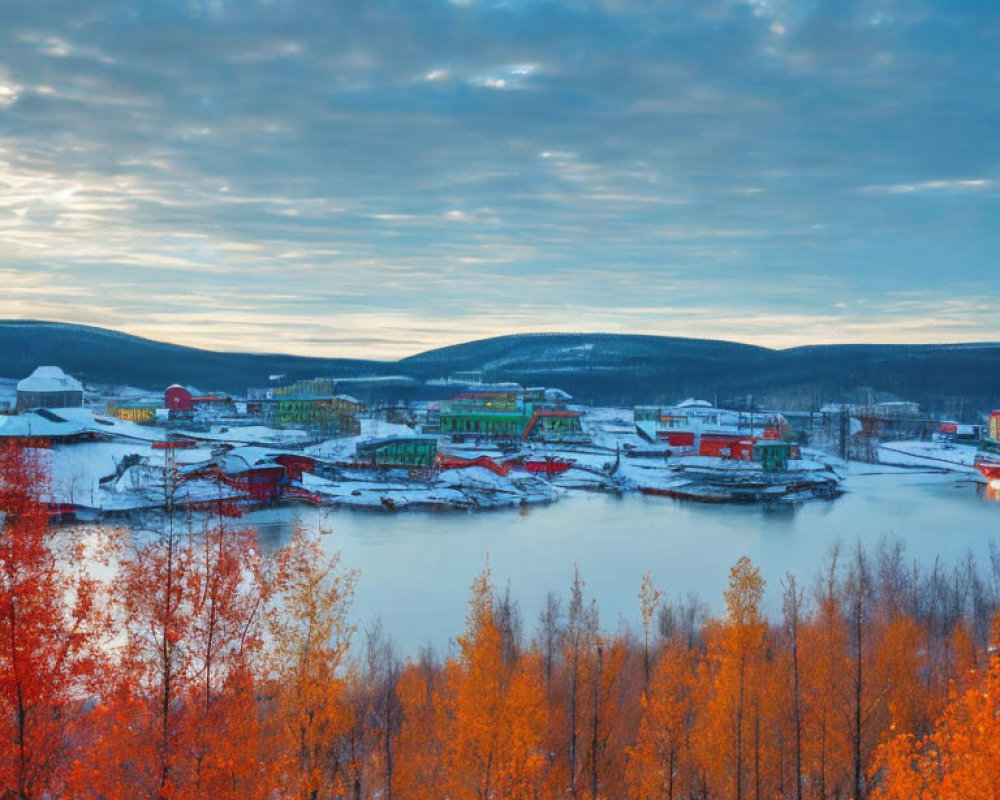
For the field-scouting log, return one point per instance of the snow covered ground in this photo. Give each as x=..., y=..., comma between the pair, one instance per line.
x=937, y=455
x=604, y=465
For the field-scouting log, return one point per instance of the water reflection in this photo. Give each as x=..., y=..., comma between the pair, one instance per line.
x=416, y=567
x=989, y=492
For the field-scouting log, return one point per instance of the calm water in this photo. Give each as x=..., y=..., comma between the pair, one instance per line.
x=416, y=568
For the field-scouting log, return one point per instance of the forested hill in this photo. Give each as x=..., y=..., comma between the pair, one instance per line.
x=602, y=368
x=97, y=355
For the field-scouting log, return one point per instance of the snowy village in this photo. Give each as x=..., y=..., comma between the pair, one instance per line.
x=113, y=453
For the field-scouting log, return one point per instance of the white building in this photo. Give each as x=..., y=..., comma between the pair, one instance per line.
x=49, y=387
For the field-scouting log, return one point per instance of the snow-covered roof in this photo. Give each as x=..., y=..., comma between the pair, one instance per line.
x=254, y=456
x=395, y=438
x=49, y=379
x=692, y=403
x=112, y=426
x=34, y=424
x=244, y=459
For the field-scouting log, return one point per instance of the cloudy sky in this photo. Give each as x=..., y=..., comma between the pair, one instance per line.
x=376, y=177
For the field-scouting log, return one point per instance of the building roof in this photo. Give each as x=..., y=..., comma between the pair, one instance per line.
x=692, y=403
x=40, y=423
x=255, y=456
x=556, y=412
x=390, y=439
x=244, y=459
x=49, y=379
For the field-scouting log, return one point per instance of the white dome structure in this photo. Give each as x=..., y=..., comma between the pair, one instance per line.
x=49, y=387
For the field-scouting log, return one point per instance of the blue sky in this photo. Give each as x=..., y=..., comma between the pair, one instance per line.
x=376, y=177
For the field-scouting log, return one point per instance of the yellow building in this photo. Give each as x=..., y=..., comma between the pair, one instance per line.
x=141, y=413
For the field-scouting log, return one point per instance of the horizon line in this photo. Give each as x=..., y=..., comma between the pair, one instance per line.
x=971, y=344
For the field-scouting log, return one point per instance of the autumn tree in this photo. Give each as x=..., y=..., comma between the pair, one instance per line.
x=420, y=765
x=51, y=626
x=649, y=599
x=310, y=634
x=825, y=689
x=492, y=711
x=178, y=715
x=579, y=639
x=735, y=651
x=660, y=762
x=792, y=599
x=368, y=753
x=960, y=759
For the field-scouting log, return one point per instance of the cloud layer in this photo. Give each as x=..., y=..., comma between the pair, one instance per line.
x=374, y=178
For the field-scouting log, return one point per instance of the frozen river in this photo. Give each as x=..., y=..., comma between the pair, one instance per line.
x=416, y=567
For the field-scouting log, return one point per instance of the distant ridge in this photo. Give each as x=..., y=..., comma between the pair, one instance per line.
x=962, y=380
x=98, y=355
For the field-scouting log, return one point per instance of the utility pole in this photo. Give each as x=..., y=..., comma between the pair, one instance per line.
x=844, y=428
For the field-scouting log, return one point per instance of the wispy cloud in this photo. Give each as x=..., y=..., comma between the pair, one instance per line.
x=373, y=178
x=931, y=187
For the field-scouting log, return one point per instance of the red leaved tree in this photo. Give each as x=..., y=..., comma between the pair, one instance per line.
x=50, y=625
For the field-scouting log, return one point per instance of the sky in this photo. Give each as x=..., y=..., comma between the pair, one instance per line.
x=373, y=178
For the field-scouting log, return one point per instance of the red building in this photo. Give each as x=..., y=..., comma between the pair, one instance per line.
x=676, y=438
x=727, y=445
x=178, y=398
x=295, y=465
x=258, y=483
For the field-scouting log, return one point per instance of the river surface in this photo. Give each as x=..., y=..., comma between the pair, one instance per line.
x=416, y=567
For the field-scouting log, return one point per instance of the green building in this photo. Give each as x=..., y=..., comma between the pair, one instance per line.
x=557, y=425
x=773, y=455
x=398, y=451
x=314, y=387
x=484, y=415
x=334, y=414
x=486, y=423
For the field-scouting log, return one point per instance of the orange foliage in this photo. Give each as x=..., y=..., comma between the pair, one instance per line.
x=491, y=715
x=178, y=714
x=961, y=759
x=310, y=634
x=229, y=676
x=50, y=622
x=660, y=763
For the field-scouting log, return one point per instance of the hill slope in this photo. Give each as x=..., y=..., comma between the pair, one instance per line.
x=96, y=355
x=602, y=368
